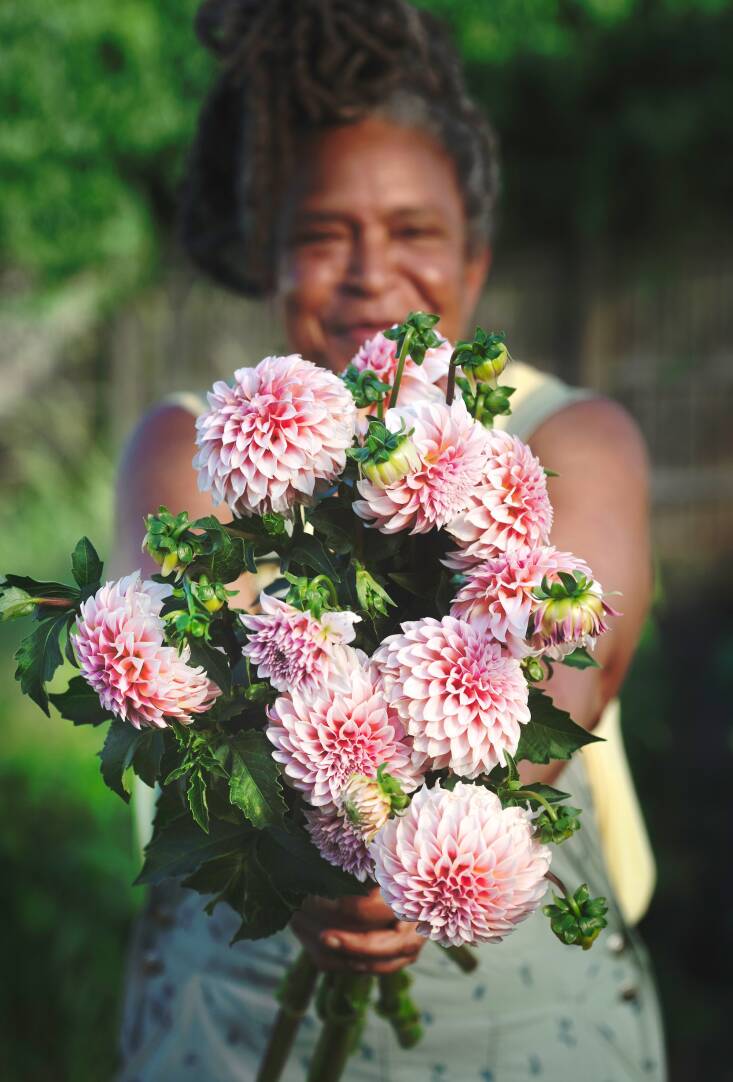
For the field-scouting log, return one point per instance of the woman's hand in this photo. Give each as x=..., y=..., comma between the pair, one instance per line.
x=360, y=933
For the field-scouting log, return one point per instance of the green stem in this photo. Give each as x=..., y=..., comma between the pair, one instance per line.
x=53, y=602
x=332, y=596
x=529, y=794
x=397, y=1006
x=400, y=367
x=295, y=994
x=344, y=1002
x=570, y=899
x=463, y=957
x=380, y=409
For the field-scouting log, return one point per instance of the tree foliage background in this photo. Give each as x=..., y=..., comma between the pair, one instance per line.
x=614, y=121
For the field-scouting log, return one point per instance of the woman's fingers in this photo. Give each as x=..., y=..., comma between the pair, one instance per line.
x=374, y=946
x=368, y=911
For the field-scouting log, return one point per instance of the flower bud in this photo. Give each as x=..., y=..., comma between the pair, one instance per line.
x=492, y=367
x=365, y=804
x=571, y=614
x=402, y=460
x=169, y=564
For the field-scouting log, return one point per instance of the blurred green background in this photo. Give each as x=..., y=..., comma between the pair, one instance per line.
x=613, y=266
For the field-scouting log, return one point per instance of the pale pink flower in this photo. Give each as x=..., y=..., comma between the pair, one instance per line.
x=498, y=594
x=461, y=697
x=269, y=441
x=463, y=868
x=452, y=449
x=508, y=509
x=558, y=626
x=324, y=737
x=365, y=804
x=294, y=650
x=339, y=842
x=119, y=644
x=419, y=382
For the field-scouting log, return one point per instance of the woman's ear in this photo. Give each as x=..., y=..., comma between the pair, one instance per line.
x=476, y=270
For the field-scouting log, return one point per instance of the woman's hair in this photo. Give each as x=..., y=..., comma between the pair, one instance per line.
x=291, y=68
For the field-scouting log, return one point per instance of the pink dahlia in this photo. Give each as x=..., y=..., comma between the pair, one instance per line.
x=460, y=697
x=294, y=651
x=339, y=842
x=419, y=382
x=267, y=442
x=498, y=595
x=120, y=649
x=508, y=509
x=452, y=449
x=324, y=737
x=465, y=869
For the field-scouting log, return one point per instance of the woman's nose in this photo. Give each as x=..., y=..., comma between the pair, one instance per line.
x=368, y=268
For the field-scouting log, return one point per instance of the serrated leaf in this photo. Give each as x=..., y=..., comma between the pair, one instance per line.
x=213, y=661
x=38, y=657
x=310, y=552
x=580, y=659
x=239, y=880
x=41, y=589
x=551, y=733
x=80, y=703
x=297, y=869
x=148, y=755
x=254, y=782
x=15, y=603
x=228, y=560
x=117, y=754
x=180, y=847
x=196, y=795
x=86, y=565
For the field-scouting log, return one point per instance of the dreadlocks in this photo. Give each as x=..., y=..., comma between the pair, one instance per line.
x=292, y=67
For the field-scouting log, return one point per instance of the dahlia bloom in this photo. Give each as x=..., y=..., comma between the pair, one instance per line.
x=461, y=866
x=365, y=804
x=460, y=696
x=339, y=842
x=418, y=382
x=508, y=509
x=452, y=449
x=267, y=442
x=294, y=651
x=560, y=625
x=498, y=594
x=324, y=737
x=119, y=644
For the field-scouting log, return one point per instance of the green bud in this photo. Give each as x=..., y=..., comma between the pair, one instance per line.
x=372, y=597
x=492, y=367
x=579, y=920
x=555, y=831
x=533, y=669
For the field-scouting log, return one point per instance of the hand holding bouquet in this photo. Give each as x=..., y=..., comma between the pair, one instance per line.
x=365, y=724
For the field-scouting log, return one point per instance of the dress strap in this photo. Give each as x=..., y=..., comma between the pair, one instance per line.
x=537, y=396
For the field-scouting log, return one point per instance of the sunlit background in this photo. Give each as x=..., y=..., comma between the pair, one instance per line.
x=613, y=266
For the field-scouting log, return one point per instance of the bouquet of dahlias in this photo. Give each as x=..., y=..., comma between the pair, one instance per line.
x=364, y=725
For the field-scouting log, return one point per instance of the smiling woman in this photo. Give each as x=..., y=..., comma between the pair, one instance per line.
x=341, y=169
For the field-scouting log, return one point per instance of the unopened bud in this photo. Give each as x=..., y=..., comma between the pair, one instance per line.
x=365, y=804
x=492, y=367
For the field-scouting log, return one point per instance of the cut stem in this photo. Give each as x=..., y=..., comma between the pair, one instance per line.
x=397, y=1006
x=400, y=367
x=451, y=387
x=344, y=1002
x=463, y=957
x=295, y=995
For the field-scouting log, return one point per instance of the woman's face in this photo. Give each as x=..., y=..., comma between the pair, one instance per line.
x=374, y=227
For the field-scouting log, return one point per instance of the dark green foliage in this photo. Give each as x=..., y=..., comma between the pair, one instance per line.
x=551, y=733
x=80, y=704
x=39, y=656
x=254, y=782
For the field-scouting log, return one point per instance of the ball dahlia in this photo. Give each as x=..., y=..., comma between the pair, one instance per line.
x=508, y=509
x=463, y=868
x=268, y=441
x=419, y=382
x=460, y=696
x=324, y=737
x=119, y=644
x=294, y=650
x=498, y=594
x=339, y=842
x=452, y=449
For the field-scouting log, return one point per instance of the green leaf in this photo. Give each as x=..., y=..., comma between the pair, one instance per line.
x=239, y=880
x=228, y=561
x=40, y=589
x=580, y=659
x=86, y=565
x=551, y=733
x=296, y=868
x=180, y=847
x=214, y=662
x=310, y=552
x=196, y=793
x=148, y=755
x=80, y=703
x=15, y=603
x=38, y=657
x=254, y=783
x=117, y=754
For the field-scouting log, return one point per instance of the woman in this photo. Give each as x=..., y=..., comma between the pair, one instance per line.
x=340, y=169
